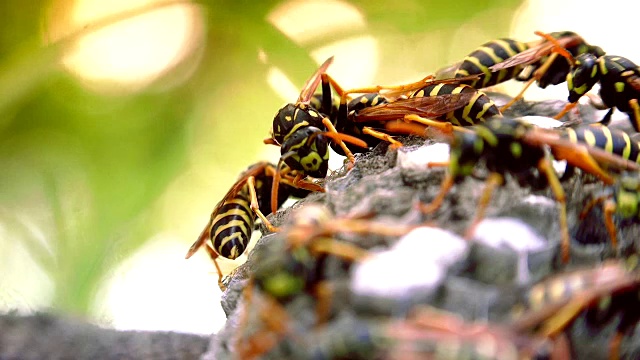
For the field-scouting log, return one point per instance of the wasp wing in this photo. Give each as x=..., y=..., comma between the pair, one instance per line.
x=535, y=53
x=581, y=155
x=424, y=106
x=312, y=83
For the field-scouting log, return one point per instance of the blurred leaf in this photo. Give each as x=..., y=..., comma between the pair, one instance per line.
x=89, y=167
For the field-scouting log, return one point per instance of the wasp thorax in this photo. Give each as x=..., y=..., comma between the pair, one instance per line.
x=293, y=116
x=582, y=78
x=307, y=150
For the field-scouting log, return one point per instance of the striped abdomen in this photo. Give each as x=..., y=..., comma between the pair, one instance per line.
x=557, y=289
x=479, y=108
x=611, y=140
x=489, y=54
x=232, y=226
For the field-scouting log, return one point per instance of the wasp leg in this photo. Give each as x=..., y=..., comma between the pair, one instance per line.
x=364, y=227
x=609, y=208
x=399, y=90
x=338, y=248
x=214, y=256
x=435, y=204
x=347, y=152
x=580, y=156
x=547, y=168
x=301, y=183
x=614, y=345
x=566, y=109
x=555, y=321
x=445, y=127
x=324, y=290
x=392, y=90
x=587, y=208
x=558, y=48
x=258, y=343
x=274, y=188
x=607, y=118
x=435, y=164
x=520, y=95
x=633, y=103
x=536, y=76
x=493, y=181
x=270, y=141
x=324, y=298
x=296, y=182
x=251, y=182
x=395, y=144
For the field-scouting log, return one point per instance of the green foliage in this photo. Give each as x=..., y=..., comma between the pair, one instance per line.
x=86, y=168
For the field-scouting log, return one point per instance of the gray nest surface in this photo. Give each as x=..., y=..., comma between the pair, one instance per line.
x=482, y=280
x=46, y=336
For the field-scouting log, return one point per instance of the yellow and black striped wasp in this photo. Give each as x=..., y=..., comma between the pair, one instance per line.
x=363, y=116
x=510, y=146
x=440, y=104
x=430, y=331
x=613, y=141
x=619, y=80
x=622, y=199
x=604, y=291
x=303, y=134
x=296, y=265
x=424, y=333
x=624, y=191
x=232, y=220
x=504, y=59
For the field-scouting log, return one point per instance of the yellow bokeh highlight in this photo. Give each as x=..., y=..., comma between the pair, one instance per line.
x=135, y=50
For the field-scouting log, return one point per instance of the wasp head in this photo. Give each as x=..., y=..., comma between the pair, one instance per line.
x=307, y=150
x=583, y=76
x=291, y=117
x=466, y=150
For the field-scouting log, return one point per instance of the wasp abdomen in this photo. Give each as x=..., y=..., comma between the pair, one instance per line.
x=487, y=55
x=611, y=140
x=479, y=108
x=231, y=228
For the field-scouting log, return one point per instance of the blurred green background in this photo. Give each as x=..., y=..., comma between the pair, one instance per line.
x=115, y=147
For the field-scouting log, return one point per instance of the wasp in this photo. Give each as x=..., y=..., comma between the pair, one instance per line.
x=622, y=199
x=343, y=113
x=619, y=80
x=440, y=104
x=232, y=220
x=510, y=146
x=504, y=59
x=303, y=134
x=554, y=303
x=442, y=333
x=297, y=264
x=624, y=190
x=425, y=333
x=290, y=267
x=610, y=140
x=444, y=100
x=312, y=234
